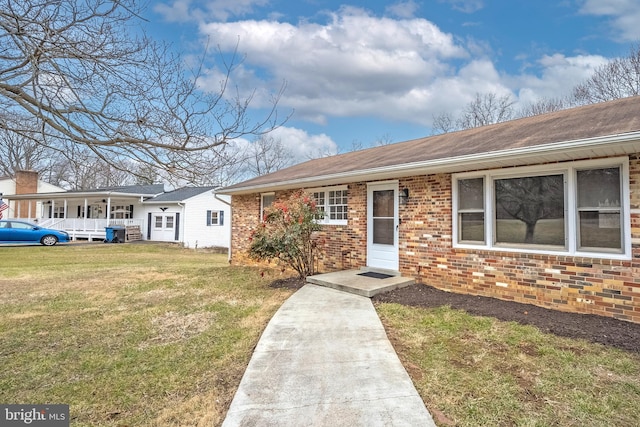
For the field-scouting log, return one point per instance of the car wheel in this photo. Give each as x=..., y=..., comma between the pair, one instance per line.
x=49, y=240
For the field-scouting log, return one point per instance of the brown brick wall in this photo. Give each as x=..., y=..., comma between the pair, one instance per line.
x=576, y=284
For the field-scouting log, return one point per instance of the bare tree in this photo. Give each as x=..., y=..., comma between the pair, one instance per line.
x=443, y=123
x=267, y=154
x=86, y=75
x=16, y=153
x=382, y=140
x=82, y=170
x=486, y=109
x=544, y=106
x=146, y=174
x=619, y=78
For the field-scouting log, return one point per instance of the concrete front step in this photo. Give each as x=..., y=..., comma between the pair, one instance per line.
x=354, y=282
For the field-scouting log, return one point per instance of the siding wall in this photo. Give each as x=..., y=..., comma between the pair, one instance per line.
x=576, y=284
x=195, y=230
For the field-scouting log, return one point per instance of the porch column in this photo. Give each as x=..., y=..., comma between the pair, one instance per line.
x=65, y=209
x=108, y=209
x=86, y=214
x=53, y=208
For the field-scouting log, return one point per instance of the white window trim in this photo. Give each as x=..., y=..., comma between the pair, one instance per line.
x=326, y=220
x=569, y=170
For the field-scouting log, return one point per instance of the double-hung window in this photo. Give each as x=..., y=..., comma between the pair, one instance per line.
x=333, y=202
x=577, y=208
x=215, y=218
x=599, y=209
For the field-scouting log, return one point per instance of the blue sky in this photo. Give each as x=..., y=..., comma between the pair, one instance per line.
x=357, y=72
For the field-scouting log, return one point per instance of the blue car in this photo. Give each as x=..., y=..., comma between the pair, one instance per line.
x=12, y=231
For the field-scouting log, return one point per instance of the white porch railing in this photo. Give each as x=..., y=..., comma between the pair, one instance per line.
x=86, y=228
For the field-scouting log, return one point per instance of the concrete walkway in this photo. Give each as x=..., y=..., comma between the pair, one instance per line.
x=325, y=360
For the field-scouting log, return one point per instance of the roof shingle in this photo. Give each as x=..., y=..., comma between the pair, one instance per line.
x=582, y=123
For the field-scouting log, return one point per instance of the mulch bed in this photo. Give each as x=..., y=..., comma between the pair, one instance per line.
x=598, y=329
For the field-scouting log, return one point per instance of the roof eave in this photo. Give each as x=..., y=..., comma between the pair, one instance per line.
x=626, y=143
x=73, y=195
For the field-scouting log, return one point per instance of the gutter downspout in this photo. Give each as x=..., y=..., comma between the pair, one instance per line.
x=215, y=196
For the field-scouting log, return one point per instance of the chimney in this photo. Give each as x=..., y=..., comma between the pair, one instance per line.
x=26, y=183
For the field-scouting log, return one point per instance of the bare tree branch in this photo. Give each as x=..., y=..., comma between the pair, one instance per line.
x=486, y=109
x=82, y=74
x=544, y=106
x=619, y=78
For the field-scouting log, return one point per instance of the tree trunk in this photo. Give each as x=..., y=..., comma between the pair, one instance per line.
x=531, y=227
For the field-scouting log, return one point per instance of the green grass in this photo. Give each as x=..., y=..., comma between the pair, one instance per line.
x=129, y=334
x=479, y=371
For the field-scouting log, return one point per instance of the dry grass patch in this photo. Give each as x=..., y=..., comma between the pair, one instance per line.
x=173, y=327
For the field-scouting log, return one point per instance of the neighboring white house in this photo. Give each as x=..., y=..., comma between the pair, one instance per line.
x=193, y=216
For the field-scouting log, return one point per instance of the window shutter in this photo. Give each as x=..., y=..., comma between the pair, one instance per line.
x=208, y=218
x=221, y=218
x=78, y=216
x=130, y=211
x=177, y=227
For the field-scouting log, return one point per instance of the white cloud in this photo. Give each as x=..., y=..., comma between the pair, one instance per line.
x=359, y=65
x=177, y=11
x=187, y=10
x=466, y=6
x=624, y=16
x=299, y=146
x=302, y=145
x=558, y=75
x=351, y=65
x=403, y=9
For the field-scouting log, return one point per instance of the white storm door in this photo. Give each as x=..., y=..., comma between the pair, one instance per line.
x=382, y=226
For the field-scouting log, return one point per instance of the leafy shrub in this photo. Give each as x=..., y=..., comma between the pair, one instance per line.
x=287, y=233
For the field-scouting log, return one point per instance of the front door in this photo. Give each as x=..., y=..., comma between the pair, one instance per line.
x=163, y=228
x=382, y=226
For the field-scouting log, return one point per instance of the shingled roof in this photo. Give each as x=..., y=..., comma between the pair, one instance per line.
x=597, y=130
x=180, y=195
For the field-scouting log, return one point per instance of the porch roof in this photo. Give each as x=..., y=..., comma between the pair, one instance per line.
x=128, y=192
x=599, y=130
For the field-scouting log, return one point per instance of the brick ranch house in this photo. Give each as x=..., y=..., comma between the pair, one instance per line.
x=542, y=210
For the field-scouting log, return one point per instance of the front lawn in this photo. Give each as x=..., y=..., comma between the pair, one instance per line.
x=133, y=334
x=157, y=335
